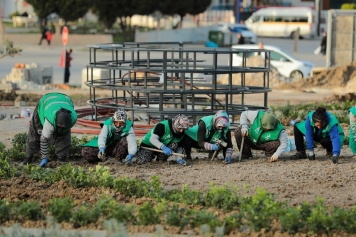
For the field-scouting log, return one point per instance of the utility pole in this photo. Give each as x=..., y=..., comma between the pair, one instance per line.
x=317, y=16
x=238, y=15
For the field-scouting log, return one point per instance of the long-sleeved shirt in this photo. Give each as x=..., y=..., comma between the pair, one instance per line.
x=202, y=132
x=47, y=133
x=131, y=140
x=247, y=118
x=333, y=133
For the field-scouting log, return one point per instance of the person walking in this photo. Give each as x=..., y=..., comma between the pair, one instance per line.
x=207, y=134
x=43, y=35
x=323, y=44
x=322, y=127
x=166, y=136
x=68, y=59
x=116, y=138
x=51, y=122
x=262, y=131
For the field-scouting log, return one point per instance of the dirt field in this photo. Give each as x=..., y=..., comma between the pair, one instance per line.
x=288, y=180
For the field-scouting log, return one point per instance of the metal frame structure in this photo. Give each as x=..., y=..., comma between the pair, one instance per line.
x=166, y=78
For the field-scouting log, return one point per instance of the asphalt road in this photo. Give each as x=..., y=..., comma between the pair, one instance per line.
x=50, y=56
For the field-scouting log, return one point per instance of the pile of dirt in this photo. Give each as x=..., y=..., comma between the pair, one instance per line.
x=255, y=79
x=344, y=76
x=341, y=98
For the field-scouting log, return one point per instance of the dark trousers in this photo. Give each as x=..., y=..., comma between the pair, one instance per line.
x=66, y=75
x=299, y=140
x=188, y=143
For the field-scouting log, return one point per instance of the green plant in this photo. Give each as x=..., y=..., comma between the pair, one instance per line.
x=291, y=220
x=319, y=220
x=232, y=222
x=177, y=216
x=61, y=209
x=147, y=215
x=199, y=218
x=28, y=211
x=2, y=147
x=221, y=197
x=6, y=169
x=101, y=176
x=85, y=214
x=5, y=210
x=132, y=187
x=123, y=213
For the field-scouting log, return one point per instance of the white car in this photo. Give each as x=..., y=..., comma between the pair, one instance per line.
x=286, y=64
x=249, y=36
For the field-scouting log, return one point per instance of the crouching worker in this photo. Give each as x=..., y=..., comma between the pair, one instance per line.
x=51, y=122
x=322, y=127
x=352, y=140
x=208, y=133
x=117, y=138
x=165, y=136
x=262, y=131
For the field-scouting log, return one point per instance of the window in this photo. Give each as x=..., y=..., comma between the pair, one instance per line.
x=278, y=57
x=256, y=19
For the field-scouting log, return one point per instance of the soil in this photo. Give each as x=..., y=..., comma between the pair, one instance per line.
x=289, y=180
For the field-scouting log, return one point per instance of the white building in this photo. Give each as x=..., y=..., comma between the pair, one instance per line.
x=9, y=6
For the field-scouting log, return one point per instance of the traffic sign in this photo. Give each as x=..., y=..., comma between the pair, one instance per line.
x=65, y=35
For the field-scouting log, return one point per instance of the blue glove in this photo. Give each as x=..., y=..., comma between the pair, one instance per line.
x=227, y=160
x=167, y=151
x=182, y=162
x=215, y=147
x=128, y=159
x=101, y=154
x=44, y=162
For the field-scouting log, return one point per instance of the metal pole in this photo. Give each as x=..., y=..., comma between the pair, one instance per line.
x=317, y=16
x=238, y=16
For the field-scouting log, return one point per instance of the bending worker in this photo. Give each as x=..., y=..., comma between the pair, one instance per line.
x=263, y=132
x=51, y=122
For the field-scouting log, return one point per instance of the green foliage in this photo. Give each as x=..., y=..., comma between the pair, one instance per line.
x=199, y=218
x=61, y=209
x=28, y=211
x=232, y=222
x=40, y=174
x=85, y=214
x=177, y=216
x=221, y=197
x=2, y=147
x=319, y=220
x=260, y=210
x=157, y=187
x=101, y=176
x=132, y=187
x=5, y=210
x=348, y=6
x=291, y=220
x=115, y=229
x=75, y=146
x=288, y=111
x=191, y=197
x=6, y=169
x=112, y=210
x=147, y=215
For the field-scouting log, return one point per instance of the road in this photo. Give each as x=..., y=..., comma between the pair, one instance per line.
x=50, y=56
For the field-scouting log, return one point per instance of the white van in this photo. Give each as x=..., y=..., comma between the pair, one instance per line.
x=284, y=21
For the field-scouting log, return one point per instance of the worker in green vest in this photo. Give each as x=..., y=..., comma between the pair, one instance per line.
x=352, y=117
x=165, y=136
x=208, y=133
x=117, y=138
x=322, y=127
x=51, y=122
x=262, y=131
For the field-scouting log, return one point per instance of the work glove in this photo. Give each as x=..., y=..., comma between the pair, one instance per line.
x=244, y=132
x=44, y=162
x=182, y=162
x=166, y=150
x=311, y=155
x=101, y=154
x=227, y=160
x=335, y=158
x=128, y=159
x=214, y=147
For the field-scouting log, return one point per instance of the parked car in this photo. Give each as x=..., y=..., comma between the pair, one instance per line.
x=249, y=36
x=286, y=64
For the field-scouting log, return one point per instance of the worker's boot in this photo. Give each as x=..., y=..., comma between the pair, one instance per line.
x=27, y=160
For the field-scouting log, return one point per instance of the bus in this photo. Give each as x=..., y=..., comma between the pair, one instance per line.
x=284, y=22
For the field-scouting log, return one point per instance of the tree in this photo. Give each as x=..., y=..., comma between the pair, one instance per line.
x=43, y=8
x=71, y=10
x=107, y=11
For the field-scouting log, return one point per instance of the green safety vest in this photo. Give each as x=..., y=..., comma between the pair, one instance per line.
x=352, y=142
x=324, y=131
x=258, y=136
x=112, y=137
x=167, y=137
x=50, y=104
x=208, y=120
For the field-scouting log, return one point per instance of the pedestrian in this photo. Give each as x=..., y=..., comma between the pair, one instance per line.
x=49, y=37
x=240, y=39
x=322, y=127
x=50, y=124
x=207, y=134
x=43, y=35
x=352, y=117
x=323, y=44
x=166, y=136
x=261, y=131
x=68, y=59
x=117, y=138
